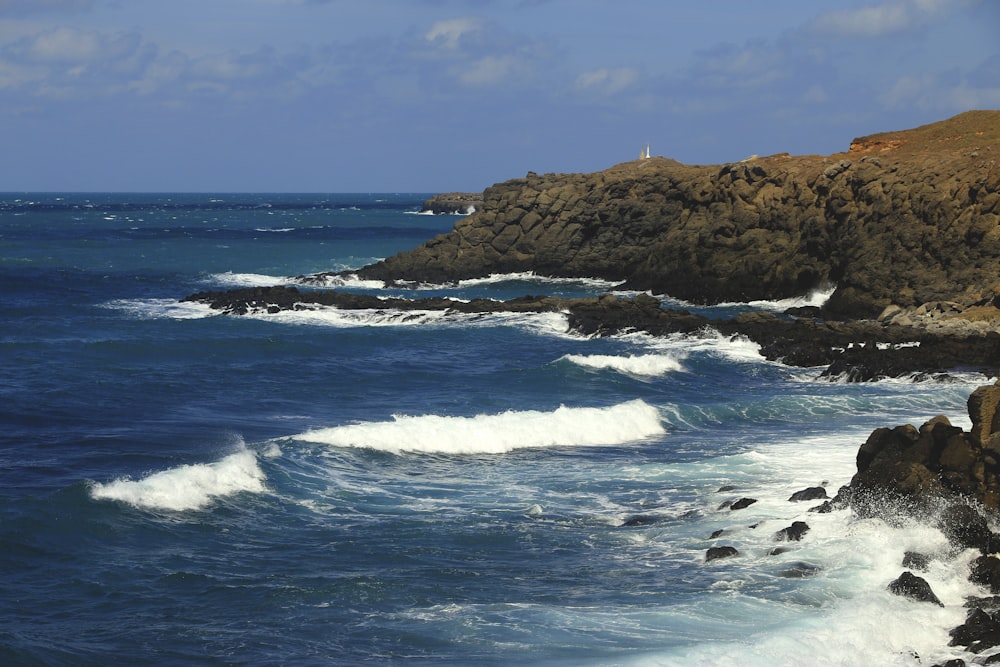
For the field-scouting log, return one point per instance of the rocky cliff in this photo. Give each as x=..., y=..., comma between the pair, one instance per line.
x=901, y=218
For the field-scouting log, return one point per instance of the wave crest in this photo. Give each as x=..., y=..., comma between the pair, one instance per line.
x=501, y=433
x=187, y=487
x=646, y=365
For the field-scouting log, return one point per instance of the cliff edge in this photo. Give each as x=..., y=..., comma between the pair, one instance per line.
x=900, y=218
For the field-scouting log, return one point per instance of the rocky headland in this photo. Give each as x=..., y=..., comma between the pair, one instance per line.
x=899, y=219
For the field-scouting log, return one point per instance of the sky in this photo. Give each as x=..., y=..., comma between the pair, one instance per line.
x=455, y=95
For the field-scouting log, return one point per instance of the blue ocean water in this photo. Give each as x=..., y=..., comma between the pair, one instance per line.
x=352, y=488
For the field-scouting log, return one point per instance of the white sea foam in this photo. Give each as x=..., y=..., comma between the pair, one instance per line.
x=148, y=309
x=816, y=298
x=707, y=341
x=842, y=614
x=347, y=280
x=531, y=276
x=641, y=365
x=231, y=279
x=500, y=433
x=554, y=324
x=347, y=318
x=187, y=487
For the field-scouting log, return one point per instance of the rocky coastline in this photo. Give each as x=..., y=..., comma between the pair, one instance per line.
x=853, y=351
x=905, y=225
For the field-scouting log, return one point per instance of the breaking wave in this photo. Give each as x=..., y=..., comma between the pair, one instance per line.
x=641, y=365
x=500, y=433
x=187, y=487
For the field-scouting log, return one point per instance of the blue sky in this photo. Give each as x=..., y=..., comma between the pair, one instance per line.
x=440, y=95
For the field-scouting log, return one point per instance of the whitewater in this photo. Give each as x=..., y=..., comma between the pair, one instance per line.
x=334, y=487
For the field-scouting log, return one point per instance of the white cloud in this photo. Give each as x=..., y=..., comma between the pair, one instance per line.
x=449, y=33
x=65, y=45
x=883, y=18
x=488, y=70
x=933, y=93
x=607, y=80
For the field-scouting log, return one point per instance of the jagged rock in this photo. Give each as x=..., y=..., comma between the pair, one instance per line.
x=916, y=588
x=909, y=470
x=812, y=493
x=715, y=553
x=793, y=533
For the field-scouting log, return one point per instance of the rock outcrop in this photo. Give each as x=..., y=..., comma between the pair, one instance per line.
x=902, y=219
x=908, y=470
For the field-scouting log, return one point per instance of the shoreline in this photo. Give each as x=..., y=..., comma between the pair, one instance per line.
x=856, y=351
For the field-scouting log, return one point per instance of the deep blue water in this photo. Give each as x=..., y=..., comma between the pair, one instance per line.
x=335, y=488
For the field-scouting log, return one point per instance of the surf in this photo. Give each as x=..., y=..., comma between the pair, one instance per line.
x=632, y=421
x=187, y=487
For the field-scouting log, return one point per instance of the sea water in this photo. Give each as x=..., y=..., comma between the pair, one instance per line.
x=330, y=487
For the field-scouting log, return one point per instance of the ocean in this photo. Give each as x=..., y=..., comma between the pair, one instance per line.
x=324, y=487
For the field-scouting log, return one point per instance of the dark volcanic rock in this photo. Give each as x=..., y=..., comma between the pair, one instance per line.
x=916, y=588
x=910, y=470
x=985, y=571
x=742, y=503
x=966, y=528
x=904, y=218
x=793, y=533
x=812, y=493
x=979, y=628
x=714, y=553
